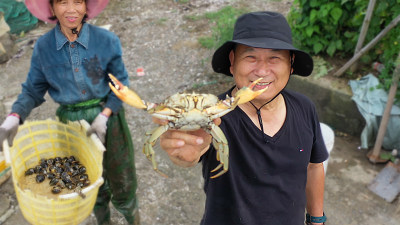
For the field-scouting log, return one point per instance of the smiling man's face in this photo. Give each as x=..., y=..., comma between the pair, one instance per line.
x=248, y=64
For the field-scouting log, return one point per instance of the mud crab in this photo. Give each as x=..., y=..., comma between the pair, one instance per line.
x=186, y=111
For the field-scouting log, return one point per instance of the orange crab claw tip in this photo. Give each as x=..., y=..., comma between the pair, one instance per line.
x=111, y=76
x=114, y=80
x=259, y=92
x=255, y=82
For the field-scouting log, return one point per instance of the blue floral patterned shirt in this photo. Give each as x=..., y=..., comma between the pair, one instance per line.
x=73, y=72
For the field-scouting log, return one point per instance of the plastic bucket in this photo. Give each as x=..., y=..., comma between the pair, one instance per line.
x=49, y=139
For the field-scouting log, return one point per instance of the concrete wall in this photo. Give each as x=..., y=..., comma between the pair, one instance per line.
x=333, y=101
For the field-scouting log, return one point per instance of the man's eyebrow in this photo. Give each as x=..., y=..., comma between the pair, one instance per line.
x=278, y=50
x=252, y=49
x=248, y=49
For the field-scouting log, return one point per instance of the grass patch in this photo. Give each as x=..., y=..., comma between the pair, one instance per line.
x=222, y=29
x=321, y=67
x=161, y=21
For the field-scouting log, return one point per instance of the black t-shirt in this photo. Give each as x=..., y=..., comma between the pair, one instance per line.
x=266, y=180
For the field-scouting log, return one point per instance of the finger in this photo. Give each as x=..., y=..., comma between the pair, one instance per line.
x=3, y=135
x=169, y=144
x=190, y=137
x=217, y=121
x=10, y=141
x=89, y=132
x=102, y=138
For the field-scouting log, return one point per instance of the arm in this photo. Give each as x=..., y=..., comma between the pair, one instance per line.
x=33, y=89
x=117, y=68
x=315, y=189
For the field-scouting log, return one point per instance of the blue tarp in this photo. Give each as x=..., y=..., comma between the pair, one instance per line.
x=371, y=102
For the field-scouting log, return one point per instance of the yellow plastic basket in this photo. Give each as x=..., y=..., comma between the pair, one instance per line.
x=5, y=170
x=49, y=139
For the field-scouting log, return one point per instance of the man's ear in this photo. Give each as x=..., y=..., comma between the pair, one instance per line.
x=231, y=59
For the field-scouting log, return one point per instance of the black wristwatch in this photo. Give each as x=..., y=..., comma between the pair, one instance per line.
x=313, y=219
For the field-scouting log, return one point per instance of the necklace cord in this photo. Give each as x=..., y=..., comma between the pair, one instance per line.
x=260, y=118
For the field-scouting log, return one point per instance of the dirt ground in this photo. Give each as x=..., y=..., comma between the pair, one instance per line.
x=158, y=36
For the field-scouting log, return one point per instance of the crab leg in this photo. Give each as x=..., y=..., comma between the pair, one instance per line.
x=221, y=145
x=125, y=94
x=149, y=143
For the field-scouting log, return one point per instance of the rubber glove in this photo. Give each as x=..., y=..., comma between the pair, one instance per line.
x=8, y=129
x=99, y=126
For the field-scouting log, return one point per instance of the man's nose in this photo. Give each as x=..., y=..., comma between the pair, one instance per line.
x=263, y=68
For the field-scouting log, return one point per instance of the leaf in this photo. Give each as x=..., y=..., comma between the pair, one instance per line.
x=336, y=13
x=317, y=47
x=314, y=3
x=316, y=29
x=309, y=31
x=348, y=34
x=313, y=15
x=303, y=24
x=343, y=2
x=331, y=48
x=339, y=44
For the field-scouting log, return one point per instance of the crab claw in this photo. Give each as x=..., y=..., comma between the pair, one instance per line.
x=125, y=94
x=247, y=94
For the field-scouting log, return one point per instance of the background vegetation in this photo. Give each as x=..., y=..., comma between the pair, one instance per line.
x=222, y=31
x=327, y=28
x=332, y=28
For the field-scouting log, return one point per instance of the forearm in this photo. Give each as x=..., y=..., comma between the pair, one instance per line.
x=113, y=103
x=315, y=189
x=107, y=112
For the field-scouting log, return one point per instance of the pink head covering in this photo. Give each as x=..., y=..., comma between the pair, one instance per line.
x=42, y=8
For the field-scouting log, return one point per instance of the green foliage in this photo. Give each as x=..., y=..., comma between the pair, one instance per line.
x=321, y=67
x=222, y=30
x=332, y=27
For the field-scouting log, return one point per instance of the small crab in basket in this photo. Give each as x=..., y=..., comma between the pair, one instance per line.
x=185, y=111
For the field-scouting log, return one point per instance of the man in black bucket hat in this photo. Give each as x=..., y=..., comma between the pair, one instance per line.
x=262, y=30
x=276, y=150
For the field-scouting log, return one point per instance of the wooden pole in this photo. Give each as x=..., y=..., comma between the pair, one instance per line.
x=392, y=24
x=374, y=156
x=364, y=29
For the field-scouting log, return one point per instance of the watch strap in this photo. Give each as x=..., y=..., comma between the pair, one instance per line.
x=314, y=219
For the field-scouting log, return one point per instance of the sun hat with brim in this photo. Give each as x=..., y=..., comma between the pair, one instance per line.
x=268, y=30
x=41, y=9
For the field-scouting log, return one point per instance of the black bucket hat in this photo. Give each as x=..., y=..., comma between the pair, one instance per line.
x=262, y=30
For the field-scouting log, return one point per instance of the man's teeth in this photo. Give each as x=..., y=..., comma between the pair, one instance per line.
x=263, y=83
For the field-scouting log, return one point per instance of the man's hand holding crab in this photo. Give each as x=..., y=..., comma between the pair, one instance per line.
x=185, y=148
